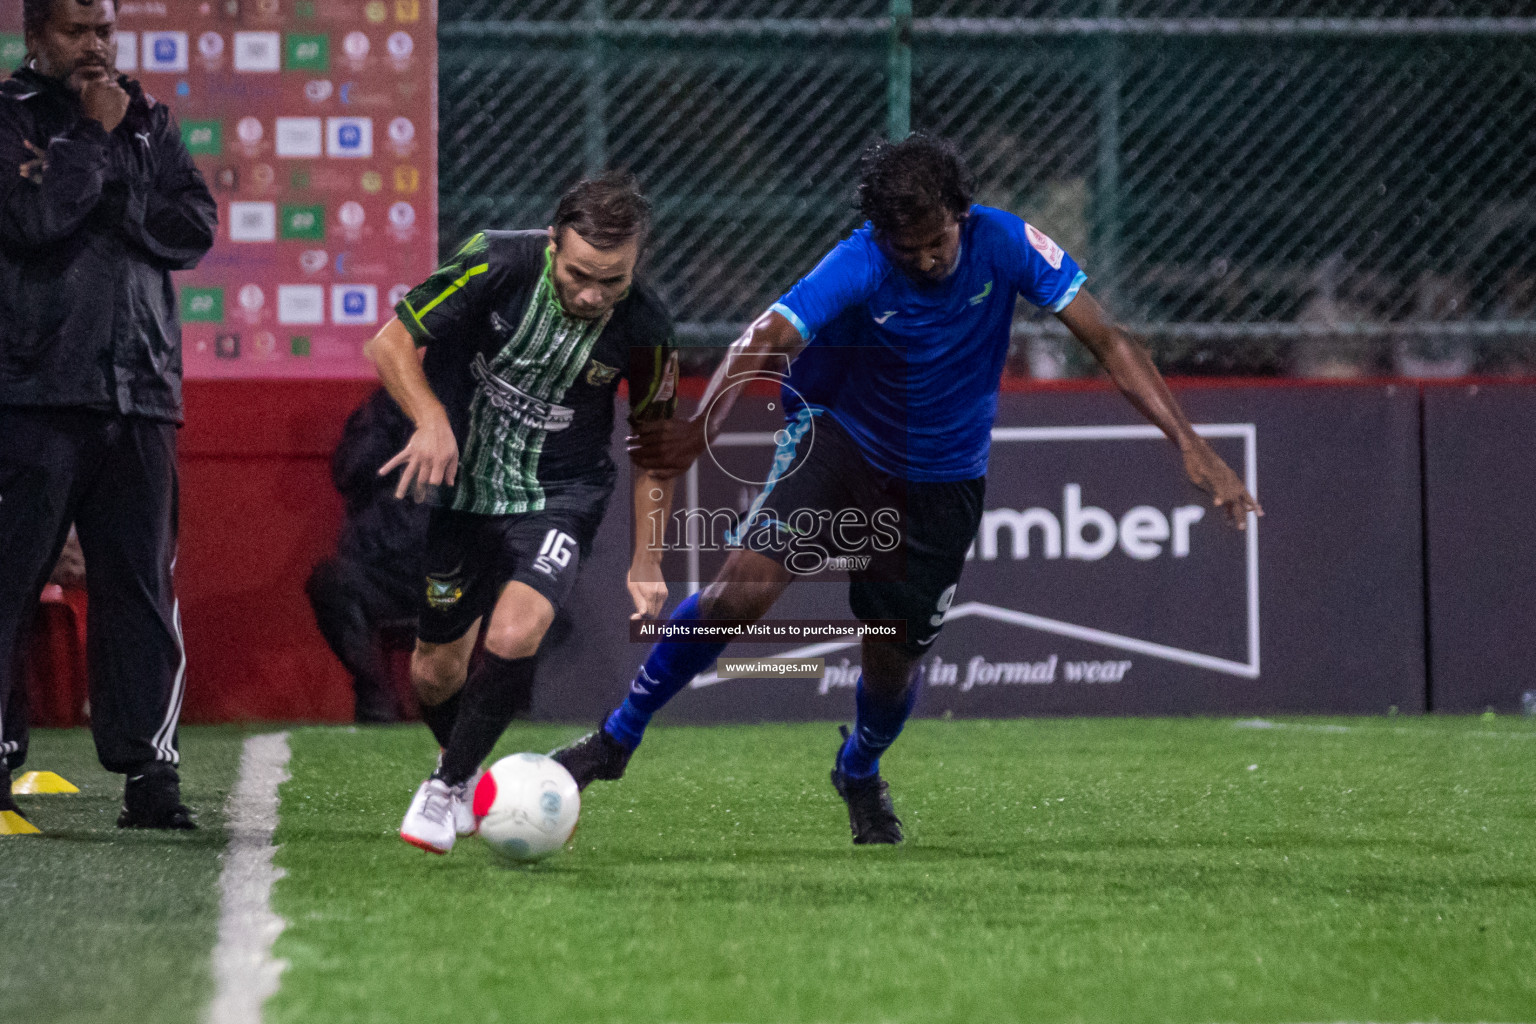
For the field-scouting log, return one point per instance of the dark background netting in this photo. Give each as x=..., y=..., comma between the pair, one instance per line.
x=1354, y=193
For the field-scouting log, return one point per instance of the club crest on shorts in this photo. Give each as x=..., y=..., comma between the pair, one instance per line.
x=599, y=374
x=443, y=593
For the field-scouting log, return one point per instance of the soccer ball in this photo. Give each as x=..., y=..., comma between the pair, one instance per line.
x=527, y=805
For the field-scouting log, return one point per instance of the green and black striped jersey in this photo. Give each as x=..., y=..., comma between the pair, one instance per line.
x=530, y=389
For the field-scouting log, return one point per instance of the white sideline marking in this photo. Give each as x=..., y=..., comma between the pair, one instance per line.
x=244, y=973
x=1264, y=723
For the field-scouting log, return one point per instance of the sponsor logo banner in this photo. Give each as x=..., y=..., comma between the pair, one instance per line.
x=203, y=138
x=265, y=94
x=299, y=136
x=354, y=304
x=202, y=305
x=307, y=53
x=252, y=222
x=304, y=222
x=13, y=48
x=349, y=137
x=163, y=51
x=258, y=51
x=300, y=304
x=1100, y=581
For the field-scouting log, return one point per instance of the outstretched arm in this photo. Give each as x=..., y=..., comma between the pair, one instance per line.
x=431, y=456
x=653, y=503
x=668, y=447
x=1135, y=375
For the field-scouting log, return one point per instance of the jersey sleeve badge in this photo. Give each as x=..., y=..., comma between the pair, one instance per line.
x=1044, y=246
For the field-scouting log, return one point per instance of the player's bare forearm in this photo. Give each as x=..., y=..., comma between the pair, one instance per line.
x=1134, y=373
x=653, y=504
x=764, y=345
x=1129, y=366
x=668, y=447
x=393, y=352
x=431, y=456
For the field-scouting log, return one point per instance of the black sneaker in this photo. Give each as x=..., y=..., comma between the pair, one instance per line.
x=870, y=813
x=152, y=799
x=596, y=755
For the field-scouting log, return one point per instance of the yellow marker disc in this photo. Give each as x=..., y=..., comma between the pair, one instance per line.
x=13, y=824
x=34, y=783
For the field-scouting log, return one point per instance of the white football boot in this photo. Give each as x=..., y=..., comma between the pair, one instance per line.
x=429, y=823
x=464, y=821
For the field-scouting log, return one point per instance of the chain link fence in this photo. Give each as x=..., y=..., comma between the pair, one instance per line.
x=1305, y=187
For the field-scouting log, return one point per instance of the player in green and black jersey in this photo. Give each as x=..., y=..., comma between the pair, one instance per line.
x=526, y=336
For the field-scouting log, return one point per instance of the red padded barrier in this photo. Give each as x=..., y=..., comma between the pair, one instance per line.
x=56, y=682
x=257, y=512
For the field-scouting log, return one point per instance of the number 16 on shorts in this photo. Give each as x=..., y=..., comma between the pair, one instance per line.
x=555, y=553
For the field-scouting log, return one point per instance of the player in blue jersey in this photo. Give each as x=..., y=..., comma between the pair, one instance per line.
x=898, y=337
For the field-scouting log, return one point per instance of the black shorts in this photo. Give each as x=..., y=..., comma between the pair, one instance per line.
x=470, y=558
x=825, y=509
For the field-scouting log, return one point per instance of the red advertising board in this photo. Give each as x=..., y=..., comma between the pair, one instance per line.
x=315, y=123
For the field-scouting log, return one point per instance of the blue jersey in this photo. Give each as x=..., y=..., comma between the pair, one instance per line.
x=911, y=370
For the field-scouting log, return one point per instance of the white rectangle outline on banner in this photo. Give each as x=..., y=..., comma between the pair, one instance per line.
x=1247, y=432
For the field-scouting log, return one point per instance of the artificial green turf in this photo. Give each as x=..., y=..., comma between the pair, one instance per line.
x=105, y=924
x=1069, y=870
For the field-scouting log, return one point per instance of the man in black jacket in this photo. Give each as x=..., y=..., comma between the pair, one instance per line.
x=377, y=570
x=99, y=200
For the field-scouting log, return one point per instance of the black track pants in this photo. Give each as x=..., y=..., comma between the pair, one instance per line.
x=114, y=477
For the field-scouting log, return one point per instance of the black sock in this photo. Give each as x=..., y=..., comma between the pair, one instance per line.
x=495, y=693
x=440, y=717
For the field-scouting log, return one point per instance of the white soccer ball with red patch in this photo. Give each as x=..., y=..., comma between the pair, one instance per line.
x=527, y=805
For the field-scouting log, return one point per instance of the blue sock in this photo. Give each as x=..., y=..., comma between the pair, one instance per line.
x=876, y=724
x=671, y=665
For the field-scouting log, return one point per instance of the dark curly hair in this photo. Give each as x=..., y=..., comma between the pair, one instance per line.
x=36, y=13
x=606, y=211
x=908, y=182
